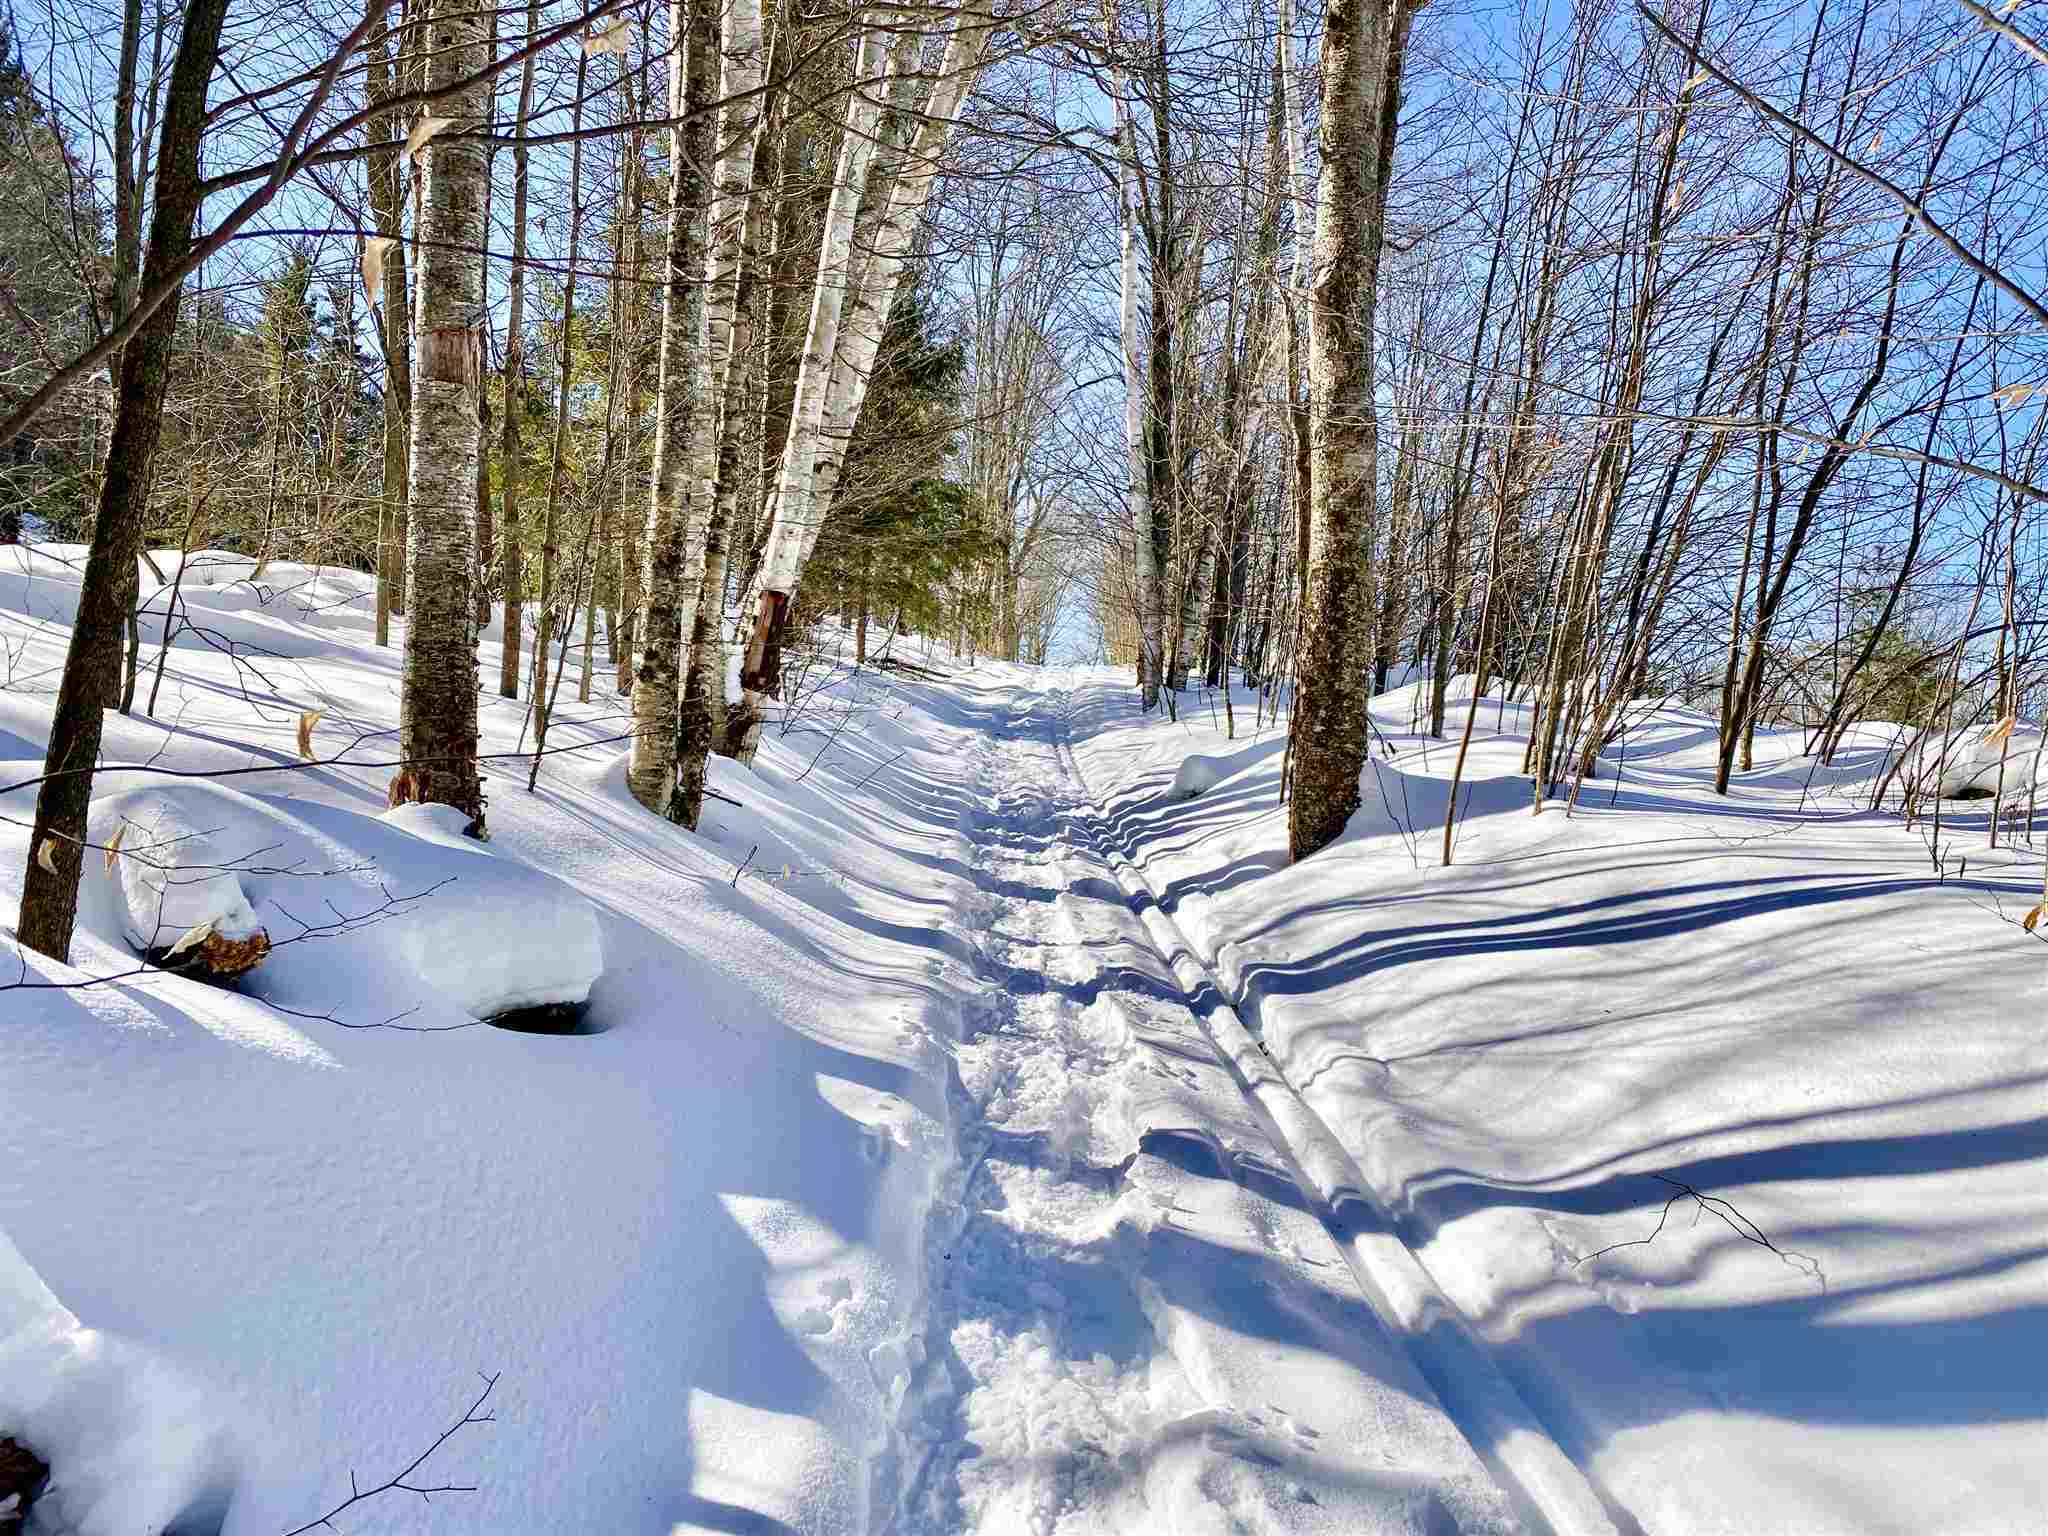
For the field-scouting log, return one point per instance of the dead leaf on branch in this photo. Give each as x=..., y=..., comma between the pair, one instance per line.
x=46, y=855
x=196, y=934
x=114, y=845
x=612, y=37
x=422, y=131
x=307, y=720
x=375, y=249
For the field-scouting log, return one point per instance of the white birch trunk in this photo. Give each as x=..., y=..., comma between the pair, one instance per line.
x=792, y=503
x=732, y=184
x=833, y=381
x=1145, y=552
x=860, y=335
x=795, y=492
x=1297, y=173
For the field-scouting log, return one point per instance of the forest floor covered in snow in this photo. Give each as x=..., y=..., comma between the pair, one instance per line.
x=979, y=1127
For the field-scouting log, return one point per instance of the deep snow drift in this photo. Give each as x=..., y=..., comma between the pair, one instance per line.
x=916, y=1169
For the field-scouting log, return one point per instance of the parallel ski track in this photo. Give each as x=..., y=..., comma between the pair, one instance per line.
x=1550, y=1491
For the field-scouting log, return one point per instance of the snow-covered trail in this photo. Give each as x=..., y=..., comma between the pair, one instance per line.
x=1142, y=1312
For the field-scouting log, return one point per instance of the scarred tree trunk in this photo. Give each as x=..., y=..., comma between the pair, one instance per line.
x=840, y=358
x=1363, y=43
x=651, y=772
x=92, y=664
x=437, y=731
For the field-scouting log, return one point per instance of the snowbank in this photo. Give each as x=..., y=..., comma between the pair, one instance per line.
x=1982, y=763
x=1197, y=775
x=400, y=906
x=1767, y=996
x=132, y=1442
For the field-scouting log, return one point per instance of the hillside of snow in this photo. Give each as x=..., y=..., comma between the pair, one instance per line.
x=980, y=1128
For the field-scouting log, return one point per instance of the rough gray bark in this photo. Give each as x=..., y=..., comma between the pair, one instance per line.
x=1363, y=43
x=438, y=732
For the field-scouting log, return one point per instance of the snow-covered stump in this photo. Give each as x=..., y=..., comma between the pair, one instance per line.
x=1197, y=775
x=403, y=911
x=503, y=942
x=182, y=902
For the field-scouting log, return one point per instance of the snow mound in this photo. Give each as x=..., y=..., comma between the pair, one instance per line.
x=498, y=935
x=1197, y=776
x=172, y=876
x=132, y=1443
x=400, y=908
x=1974, y=762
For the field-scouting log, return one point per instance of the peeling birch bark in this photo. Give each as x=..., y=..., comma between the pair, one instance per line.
x=840, y=351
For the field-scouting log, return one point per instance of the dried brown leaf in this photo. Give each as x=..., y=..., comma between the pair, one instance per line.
x=611, y=37
x=196, y=934
x=375, y=249
x=307, y=720
x=114, y=845
x=46, y=855
x=422, y=131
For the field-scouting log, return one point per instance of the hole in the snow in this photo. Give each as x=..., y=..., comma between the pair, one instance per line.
x=206, y=1515
x=552, y=1019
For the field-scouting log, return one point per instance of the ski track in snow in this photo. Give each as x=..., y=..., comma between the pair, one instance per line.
x=1136, y=1319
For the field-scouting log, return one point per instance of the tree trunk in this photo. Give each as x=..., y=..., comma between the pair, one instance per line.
x=1361, y=68
x=438, y=732
x=1146, y=594
x=49, y=902
x=651, y=772
x=511, y=457
x=393, y=330
x=551, y=517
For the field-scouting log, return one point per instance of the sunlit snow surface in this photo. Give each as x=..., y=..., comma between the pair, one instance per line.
x=896, y=1185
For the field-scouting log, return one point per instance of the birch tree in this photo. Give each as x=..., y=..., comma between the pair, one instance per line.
x=716, y=445
x=437, y=722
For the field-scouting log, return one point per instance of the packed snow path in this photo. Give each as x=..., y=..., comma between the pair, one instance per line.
x=1157, y=1298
